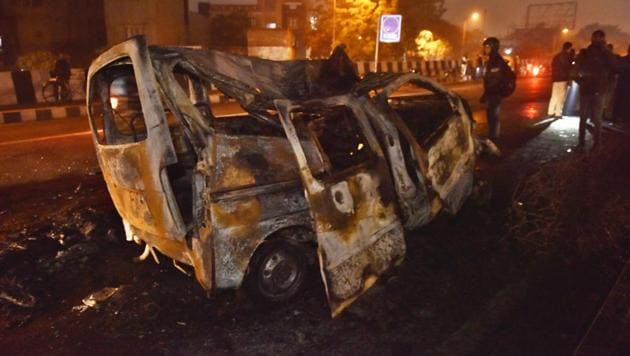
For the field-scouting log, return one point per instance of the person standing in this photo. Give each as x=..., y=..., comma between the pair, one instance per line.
x=560, y=69
x=62, y=69
x=499, y=81
x=609, y=98
x=62, y=73
x=622, y=94
x=594, y=67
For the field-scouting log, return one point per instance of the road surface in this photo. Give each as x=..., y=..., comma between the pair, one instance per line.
x=455, y=293
x=34, y=152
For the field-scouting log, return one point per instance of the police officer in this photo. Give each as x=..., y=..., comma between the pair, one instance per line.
x=497, y=73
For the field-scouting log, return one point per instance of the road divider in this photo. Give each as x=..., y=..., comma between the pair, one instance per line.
x=45, y=138
x=42, y=114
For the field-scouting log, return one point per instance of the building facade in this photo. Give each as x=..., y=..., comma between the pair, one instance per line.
x=75, y=27
x=163, y=22
x=83, y=28
x=281, y=15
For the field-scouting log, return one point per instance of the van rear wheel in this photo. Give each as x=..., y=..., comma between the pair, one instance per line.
x=277, y=271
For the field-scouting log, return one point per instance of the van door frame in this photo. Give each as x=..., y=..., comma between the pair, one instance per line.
x=354, y=213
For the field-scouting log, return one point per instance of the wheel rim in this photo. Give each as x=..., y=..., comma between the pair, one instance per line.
x=48, y=92
x=279, y=273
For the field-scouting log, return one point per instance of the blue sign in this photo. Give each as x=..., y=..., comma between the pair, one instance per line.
x=391, y=26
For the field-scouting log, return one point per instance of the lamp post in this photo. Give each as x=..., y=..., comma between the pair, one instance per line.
x=474, y=17
x=564, y=33
x=334, y=29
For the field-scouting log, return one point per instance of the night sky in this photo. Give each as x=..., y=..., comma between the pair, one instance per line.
x=501, y=15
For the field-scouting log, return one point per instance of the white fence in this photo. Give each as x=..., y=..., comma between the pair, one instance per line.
x=23, y=88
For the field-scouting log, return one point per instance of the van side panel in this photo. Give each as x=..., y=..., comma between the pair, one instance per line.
x=255, y=191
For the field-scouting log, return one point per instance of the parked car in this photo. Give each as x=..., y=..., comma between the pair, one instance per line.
x=319, y=160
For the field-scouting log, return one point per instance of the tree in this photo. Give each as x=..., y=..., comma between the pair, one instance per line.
x=420, y=15
x=430, y=48
x=356, y=25
x=357, y=22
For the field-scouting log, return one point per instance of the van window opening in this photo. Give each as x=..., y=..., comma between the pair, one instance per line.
x=338, y=134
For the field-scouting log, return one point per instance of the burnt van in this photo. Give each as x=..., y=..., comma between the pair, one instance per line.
x=297, y=159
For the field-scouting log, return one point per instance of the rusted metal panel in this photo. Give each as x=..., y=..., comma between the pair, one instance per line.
x=449, y=162
x=255, y=176
x=358, y=232
x=255, y=191
x=245, y=161
x=135, y=172
x=134, y=184
x=235, y=244
x=413, y=200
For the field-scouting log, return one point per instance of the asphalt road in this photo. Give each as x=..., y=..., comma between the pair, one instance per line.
x=464, y=287
x=34, y=152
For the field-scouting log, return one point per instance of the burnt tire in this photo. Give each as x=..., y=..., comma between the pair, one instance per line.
x=277, y=272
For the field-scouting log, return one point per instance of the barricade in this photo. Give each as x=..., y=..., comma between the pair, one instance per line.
x=24, y=88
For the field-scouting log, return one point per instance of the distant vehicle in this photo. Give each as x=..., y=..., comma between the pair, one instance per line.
x=533, y=69
x=319, y=162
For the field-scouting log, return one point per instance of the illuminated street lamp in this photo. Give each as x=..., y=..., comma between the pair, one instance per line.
x=334, y=19
x=557, y=37
x=474, y=17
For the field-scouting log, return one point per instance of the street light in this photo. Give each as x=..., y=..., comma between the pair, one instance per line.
x=557, y=37
x=334, y=29
x=474, y=17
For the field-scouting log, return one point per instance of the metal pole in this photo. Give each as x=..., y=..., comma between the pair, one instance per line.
x=334, y=30
x=378, y=31
x=464, y=37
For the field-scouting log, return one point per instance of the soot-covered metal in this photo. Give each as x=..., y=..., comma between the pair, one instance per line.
x=321, y=162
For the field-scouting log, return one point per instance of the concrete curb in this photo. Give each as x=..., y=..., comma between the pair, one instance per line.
x=24, y=87
x=41, y=114
x=16, y=115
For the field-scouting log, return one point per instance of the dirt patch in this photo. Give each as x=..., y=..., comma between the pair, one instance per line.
x=466, y=286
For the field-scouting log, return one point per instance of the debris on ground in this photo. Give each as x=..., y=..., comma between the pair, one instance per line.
x=13, y=292
x=489, y=147
x=93, y=300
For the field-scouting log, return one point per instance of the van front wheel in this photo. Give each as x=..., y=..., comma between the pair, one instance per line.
x=277, y=271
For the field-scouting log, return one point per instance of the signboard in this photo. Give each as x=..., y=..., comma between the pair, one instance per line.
x=390, y=26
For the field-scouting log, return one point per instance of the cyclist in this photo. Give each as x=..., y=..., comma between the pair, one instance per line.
x=57, y=89
x=62, y=70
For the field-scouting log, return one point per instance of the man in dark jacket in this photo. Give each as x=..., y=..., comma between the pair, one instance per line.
x=62, y=68
x=496, y=75
x=594, y=66
x=622, y=94
x=560, y=69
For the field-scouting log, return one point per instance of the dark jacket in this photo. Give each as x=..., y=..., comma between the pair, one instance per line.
x=62, y=69
x=561, y=67
x=623, y=83
x=595, y=66
x=495, y=75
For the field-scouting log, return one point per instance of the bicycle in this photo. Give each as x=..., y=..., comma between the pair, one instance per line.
x=56, y=91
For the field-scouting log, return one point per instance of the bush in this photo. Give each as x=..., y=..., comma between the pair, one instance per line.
x=577, y=206
x=37, y=60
